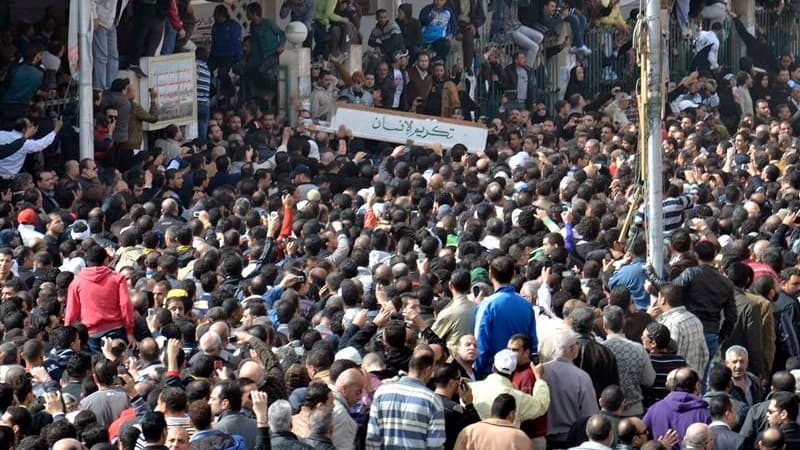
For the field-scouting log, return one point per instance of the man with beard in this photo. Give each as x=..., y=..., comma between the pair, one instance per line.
x=419, y=81
x=443, y=98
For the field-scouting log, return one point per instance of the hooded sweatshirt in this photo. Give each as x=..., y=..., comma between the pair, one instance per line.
x=677, y=411
x=98, y=298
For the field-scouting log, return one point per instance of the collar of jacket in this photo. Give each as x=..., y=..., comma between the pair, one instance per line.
x=499, y=379
x=228, y=413
x=498, y=422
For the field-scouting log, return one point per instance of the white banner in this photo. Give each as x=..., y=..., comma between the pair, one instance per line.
x=174, y=77
x=399, y=127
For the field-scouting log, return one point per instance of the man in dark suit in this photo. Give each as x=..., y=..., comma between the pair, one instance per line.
x=723, y=419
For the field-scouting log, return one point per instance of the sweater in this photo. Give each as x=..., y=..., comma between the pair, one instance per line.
x=677, y=411
x=98, y=297
x=492, y=434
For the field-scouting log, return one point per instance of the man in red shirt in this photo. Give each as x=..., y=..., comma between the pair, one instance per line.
x=98, y=298
x=524, y=379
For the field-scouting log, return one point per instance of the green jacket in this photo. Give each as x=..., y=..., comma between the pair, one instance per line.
x=265, y=39
x=323, y=12
x=135, y=125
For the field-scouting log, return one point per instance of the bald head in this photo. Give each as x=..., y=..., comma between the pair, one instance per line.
x=628, y=429
x=169, y=207
x=222, y=329
x=436, y=182
x=349, y=377
x=253, y=371
x=598, y=429
x=210, y=343
x=752, y=208
x=759, y=248
x=383, y=273
x=350, y=385
x=697, y=436
x=771, y=438
x=68, y=444
x=148, y=349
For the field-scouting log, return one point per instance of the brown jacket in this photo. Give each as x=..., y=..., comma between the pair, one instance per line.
x=491, y=434
x=417, y=86
x=135, y=128
x=450, y=100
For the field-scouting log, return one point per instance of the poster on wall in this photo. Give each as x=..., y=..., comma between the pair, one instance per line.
x=174, y=77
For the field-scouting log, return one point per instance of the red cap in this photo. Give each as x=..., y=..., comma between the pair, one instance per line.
x=28, y=217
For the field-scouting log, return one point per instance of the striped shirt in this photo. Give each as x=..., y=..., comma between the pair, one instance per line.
x=406, y=415
x=203, y=82
x=673, y=208
x=663, y=364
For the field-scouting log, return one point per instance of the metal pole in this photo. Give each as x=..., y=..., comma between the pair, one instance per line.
x=655, y=217
x=85, y=95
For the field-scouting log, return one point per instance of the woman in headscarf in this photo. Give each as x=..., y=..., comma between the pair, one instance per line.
x=577, y=83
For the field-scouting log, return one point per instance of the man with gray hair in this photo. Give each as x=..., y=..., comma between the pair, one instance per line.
x=746, y=386
x=635, y=368
x=572, y=393
x=211, y=344
x=321, y=422
x=280, y=425
x=698, y=437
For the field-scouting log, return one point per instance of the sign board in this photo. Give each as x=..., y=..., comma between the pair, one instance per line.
x=398, y=127
x=176, y=80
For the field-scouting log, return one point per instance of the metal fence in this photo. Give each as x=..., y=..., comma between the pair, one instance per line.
x=613, y=61
x=782, y=30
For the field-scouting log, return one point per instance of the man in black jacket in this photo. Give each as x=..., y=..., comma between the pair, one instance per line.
x=594, y=358
x=756, y=420
x=708, y=295
x=786, y=311
x=447, y=379
x=518, y=77
x=782, y=414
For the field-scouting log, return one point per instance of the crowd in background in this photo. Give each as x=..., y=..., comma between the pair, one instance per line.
x=268, y=285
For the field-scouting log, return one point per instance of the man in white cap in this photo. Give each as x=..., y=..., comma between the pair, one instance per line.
x=499, y=382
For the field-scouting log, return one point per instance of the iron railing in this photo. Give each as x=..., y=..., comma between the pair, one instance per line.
x=614, y=61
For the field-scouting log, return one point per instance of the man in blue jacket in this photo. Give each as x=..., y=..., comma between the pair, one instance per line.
x=501, y=315
x=632, y=275
x=438, y=22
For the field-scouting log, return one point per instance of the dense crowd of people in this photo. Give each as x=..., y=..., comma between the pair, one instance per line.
x=269, y=285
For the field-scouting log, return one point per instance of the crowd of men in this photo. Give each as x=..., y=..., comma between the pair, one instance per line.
x=269, y=285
